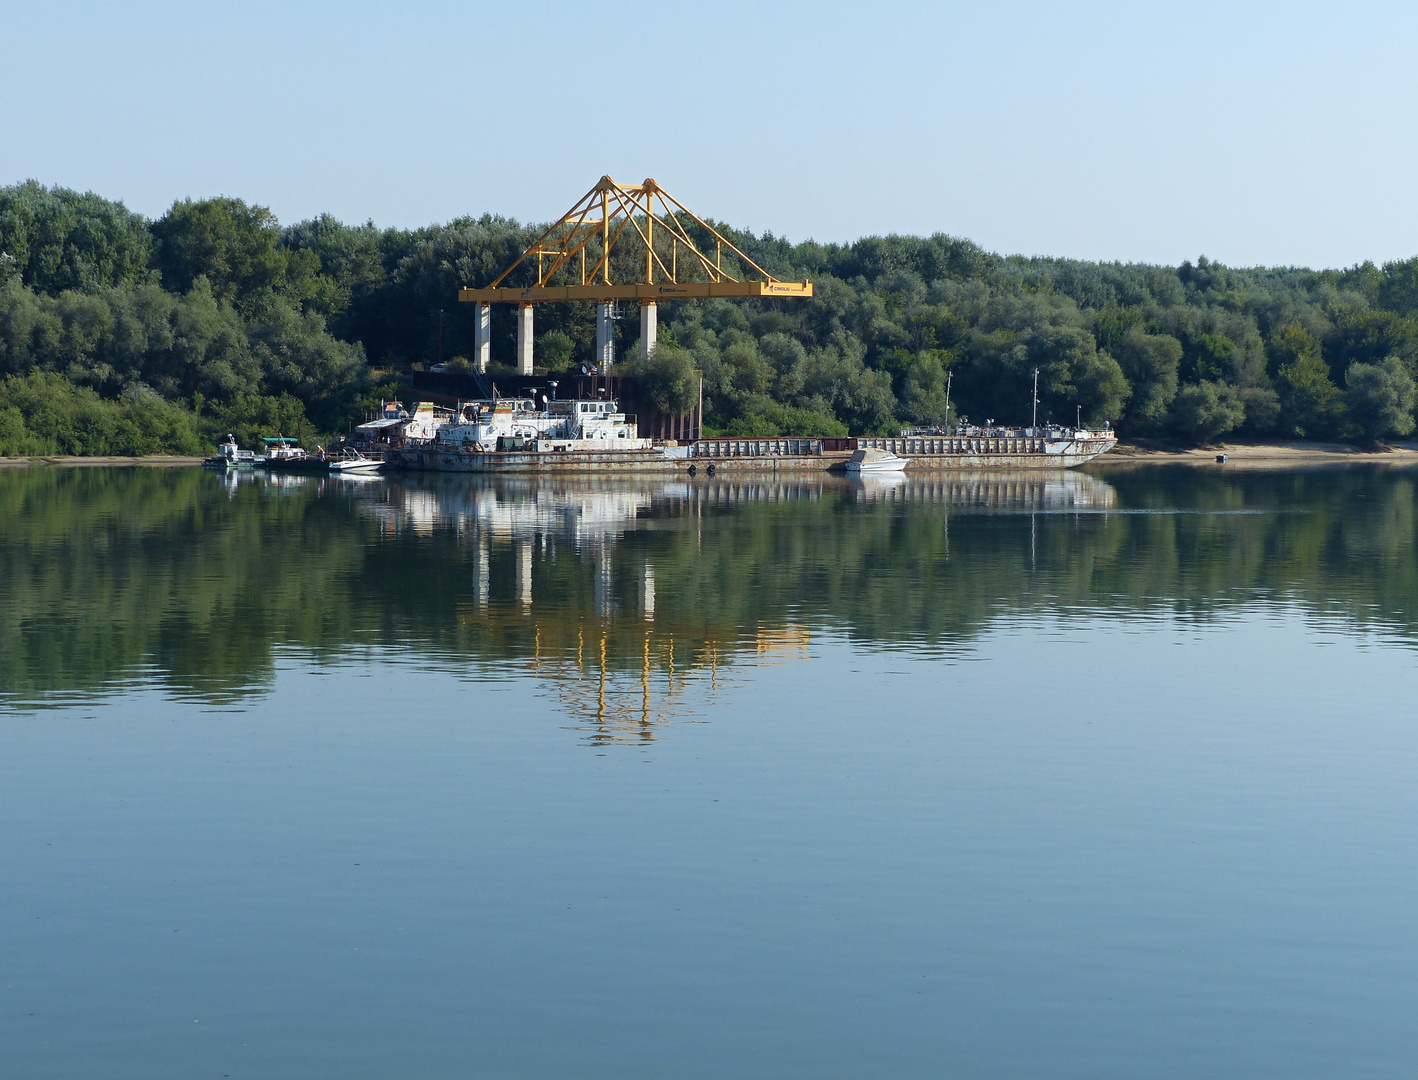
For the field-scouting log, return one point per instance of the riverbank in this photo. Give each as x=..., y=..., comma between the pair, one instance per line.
x=1275, y=455
x=154, y=460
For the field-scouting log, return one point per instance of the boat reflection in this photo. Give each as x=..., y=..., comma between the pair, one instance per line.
x=996, y=490
x=510, y=509
x=595, y=579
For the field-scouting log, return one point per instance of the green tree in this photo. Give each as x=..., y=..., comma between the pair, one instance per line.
x=554, y=349
x=1381, y=398
x=923, y=391
x=1398, y=290
x=234, y=246
x=763, y=417
x=1204, y=410
x=1150, y=363
x=667, y=378
x=997, y=381
x=58, y=239
x=1310, y=404
x=348, y=260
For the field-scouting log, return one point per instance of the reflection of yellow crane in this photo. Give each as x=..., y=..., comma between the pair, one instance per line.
x=573, y=259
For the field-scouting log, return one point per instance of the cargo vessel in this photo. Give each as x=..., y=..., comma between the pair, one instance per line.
x=524, y=435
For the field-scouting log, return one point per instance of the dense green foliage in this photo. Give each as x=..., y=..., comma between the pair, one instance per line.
x=47, y=414
x=214, y=302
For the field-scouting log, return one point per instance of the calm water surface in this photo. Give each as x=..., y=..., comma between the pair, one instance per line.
x=1080, y=775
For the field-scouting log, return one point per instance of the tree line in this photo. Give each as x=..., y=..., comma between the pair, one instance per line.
x=230, y=320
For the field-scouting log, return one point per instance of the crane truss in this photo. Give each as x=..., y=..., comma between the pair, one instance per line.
x=579, y=246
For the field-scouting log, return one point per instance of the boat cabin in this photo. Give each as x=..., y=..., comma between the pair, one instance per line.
x=548, y=426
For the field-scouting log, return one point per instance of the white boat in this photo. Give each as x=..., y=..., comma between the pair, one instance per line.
x=354, y=463
x=875, y=461
x=231, y=456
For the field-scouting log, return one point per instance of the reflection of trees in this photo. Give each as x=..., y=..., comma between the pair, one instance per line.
x=109, y=571
x=635, y=599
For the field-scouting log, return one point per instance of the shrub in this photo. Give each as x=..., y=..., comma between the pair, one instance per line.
x=1381, y=398
x=1207, y=409
x=47, y=414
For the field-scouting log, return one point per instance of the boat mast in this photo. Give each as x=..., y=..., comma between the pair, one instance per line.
x=1033, y=423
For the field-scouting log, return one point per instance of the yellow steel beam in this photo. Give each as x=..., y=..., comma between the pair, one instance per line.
x=692, y=290
x=621, y=208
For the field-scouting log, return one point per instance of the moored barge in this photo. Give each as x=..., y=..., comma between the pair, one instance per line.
x=528, y=436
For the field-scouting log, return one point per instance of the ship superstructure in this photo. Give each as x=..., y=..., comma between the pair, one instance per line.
x=552, y=427
x=521, y=435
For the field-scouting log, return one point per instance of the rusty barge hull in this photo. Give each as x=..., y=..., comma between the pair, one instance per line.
x=924, y=453
x=514, y=461
x=764, y=455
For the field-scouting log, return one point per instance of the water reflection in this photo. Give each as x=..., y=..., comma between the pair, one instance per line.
x=1032, y=490
x=636, y=600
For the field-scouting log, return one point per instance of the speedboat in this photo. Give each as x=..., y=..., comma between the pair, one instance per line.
x=875, y=461
x=354, y=463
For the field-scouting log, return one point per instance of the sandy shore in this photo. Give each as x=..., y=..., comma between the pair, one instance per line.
x=153, y=461
x=1262, y=455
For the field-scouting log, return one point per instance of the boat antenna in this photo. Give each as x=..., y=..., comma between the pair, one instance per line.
x=948, y=376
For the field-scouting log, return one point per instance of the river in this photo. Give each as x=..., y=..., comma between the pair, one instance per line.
x=1103, y=774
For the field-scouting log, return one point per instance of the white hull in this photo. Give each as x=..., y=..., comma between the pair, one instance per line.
x=870, y=468
x=362, y=467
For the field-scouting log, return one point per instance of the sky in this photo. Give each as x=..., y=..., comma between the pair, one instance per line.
x=1252, y=133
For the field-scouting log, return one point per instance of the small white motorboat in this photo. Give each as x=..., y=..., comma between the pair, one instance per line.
x=875, y=461
x=355, y=464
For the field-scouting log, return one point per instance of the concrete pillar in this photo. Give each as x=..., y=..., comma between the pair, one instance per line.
x=647, y=592
x=524, y=573
x=605, y=336
x=482, y=336
x=524, y=339
x=484, y=578
x=604, y=592
x=649, y=323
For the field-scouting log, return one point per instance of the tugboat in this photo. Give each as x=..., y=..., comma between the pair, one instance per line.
x=519, y=435
x=231, y=456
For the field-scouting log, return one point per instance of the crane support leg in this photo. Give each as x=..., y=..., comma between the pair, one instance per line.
x=482, y=337
x=649, y=324
x=524, y=339
x=605, y=336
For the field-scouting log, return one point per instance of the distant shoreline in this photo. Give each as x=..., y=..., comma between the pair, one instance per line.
x=1271, y=455
x=151, y=461
x=1274, y=455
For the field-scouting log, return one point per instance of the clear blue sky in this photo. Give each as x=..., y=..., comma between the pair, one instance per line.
x=1252, y=133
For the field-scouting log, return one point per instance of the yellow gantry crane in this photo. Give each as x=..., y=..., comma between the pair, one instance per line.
x=573, y=260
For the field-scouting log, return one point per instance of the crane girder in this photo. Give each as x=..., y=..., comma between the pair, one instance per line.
x=692, y=290
x=608, y=213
